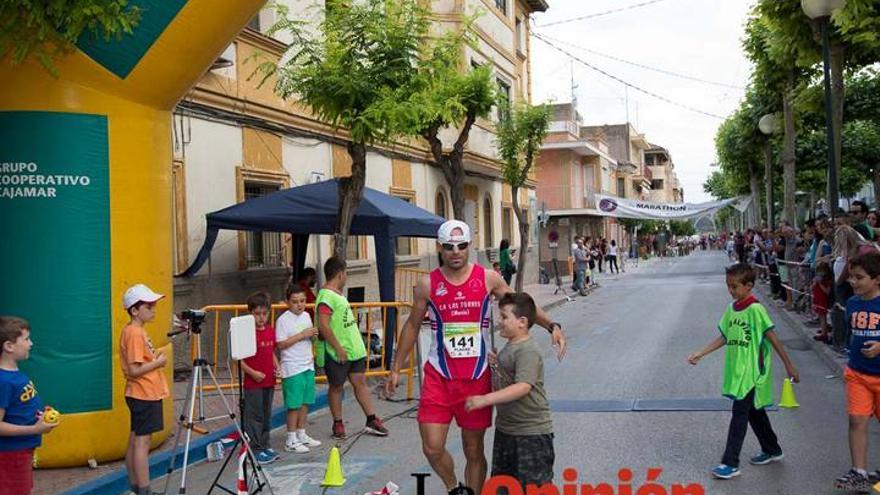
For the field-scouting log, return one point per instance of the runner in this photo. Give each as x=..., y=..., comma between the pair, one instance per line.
x=458, y=297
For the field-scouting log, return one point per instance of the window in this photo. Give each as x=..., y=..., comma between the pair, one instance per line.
x=354, y=250
x=404, y=244
x=520, y=37
x=657, y=184
x=487, y=222
x=621, y=187
x=440, y=204
x=262, y=249
x=507, y=223
x=504, y=90
x=254, y=23
x=501, y=5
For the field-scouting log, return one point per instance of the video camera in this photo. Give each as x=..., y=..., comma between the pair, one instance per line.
x=193, y=318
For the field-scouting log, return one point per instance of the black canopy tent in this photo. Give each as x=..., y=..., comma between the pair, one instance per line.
x=311, y=209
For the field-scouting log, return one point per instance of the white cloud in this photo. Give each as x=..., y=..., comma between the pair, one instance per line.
x=700, y=38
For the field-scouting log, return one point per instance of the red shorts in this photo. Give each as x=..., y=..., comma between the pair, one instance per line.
x=16, y=472
x=443, y=399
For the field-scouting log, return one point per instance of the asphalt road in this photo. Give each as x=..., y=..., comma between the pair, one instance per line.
x=628, y=343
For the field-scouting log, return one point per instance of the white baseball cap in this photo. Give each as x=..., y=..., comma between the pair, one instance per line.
x=137, y=293
x=445, y=235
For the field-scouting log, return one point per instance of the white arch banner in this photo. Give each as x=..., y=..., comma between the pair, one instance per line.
x=612, y=206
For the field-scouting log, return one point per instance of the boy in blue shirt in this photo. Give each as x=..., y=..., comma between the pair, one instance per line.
x=21, y=426
x=862, y=375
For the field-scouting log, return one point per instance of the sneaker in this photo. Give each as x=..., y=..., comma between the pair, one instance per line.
x=725, y=472
x=765, y=458
x=308, y=441
x=297, y=447
x=461, y=490
x=264, y=457
x=338, y=430
x=853, y=481
x=273, y=453
x=376, y=427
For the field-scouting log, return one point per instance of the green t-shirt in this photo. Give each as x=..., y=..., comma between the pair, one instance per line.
x=747, y=357
x=343, y=324
x=529, y=415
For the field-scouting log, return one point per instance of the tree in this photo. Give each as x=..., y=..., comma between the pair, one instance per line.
x=46, y=29
x=347, y=73
x=445, y=94
x=680, y=228
x=521, y=132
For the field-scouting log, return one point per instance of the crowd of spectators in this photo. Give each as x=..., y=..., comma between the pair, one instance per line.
x=807, y=269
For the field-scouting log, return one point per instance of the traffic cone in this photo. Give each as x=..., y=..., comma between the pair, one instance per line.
x=241, y=483
x=787, y=400
x=333, y=475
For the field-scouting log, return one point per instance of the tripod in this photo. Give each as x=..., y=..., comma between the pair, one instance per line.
x=559, y=286
x=188, y=420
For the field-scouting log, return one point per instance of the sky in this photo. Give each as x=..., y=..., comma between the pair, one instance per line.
x=697, y=38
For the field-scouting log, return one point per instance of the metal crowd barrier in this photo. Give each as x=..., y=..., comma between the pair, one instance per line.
x=799, y=281
x=371, y=317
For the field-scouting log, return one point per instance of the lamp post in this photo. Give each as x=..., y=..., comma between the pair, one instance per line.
x=820, y=11
x=769, y=125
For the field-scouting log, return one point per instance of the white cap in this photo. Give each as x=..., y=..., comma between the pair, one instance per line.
x=137, y=293
x=445, y=235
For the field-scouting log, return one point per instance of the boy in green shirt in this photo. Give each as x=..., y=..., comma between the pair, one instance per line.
x=345, y=355
x=746, y=330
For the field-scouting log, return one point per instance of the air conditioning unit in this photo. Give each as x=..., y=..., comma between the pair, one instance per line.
x=315, y=177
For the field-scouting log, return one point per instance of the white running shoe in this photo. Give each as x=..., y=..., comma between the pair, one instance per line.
x=297, y=447
x=305, y=439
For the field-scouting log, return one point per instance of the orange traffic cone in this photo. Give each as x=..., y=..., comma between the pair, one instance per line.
x=333, y=475
x=787, y=400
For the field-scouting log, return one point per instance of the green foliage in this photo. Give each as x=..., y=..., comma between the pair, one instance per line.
x=349, y=69
x=860, y=142
x=520, y=134
x=682, y=228
x=46, y=29
x=442, y=92
x=857, y=26
x=645, y=226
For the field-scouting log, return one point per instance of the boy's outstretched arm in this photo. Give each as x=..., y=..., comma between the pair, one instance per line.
x=780, y=350
x=713, y=346
x=507, y=394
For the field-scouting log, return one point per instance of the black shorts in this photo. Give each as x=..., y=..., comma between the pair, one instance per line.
x=146, y=416
x=528, y=458
x=337, y=372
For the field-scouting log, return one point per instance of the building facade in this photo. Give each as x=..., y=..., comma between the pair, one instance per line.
x=235, y=139
x=572, y=168
x=665, y=186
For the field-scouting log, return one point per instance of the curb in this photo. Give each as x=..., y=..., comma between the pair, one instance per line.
x=824, y=351
x=116, y=482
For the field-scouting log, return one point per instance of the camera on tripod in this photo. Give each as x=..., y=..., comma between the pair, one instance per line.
x=195, y=317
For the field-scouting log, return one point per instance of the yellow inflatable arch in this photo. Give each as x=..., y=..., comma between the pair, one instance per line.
x=85, y=207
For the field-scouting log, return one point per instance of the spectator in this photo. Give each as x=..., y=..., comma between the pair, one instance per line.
x=507, y=266
x=612, y=257
x=859, y=214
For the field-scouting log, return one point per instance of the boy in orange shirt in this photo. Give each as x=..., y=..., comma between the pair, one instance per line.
x=145, y=383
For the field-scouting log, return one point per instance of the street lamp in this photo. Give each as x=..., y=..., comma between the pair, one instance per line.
x=769, y=125
x=820, y=11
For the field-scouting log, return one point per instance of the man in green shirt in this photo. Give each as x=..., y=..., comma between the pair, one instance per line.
x=345, y=355
x=747, y=334
x=859, y=214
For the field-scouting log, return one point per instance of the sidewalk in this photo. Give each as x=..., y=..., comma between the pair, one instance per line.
x=111, y=479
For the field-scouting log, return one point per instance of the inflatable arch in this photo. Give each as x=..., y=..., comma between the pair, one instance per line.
x=85, y=207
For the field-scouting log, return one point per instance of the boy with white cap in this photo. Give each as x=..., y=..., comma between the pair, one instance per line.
x=145, y=383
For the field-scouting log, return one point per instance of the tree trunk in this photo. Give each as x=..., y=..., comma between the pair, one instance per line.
x=788, y=157
x=768, y=179
x=523, y=239
x=351, y=191
x=756, y=195
x=452, y=163
x=837, y=53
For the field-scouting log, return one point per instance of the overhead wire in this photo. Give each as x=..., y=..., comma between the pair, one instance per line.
x=600, y=14
x=642, y=66
x=625, y=83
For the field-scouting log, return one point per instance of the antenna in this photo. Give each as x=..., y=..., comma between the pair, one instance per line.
x=574, y=87
x=626, y=100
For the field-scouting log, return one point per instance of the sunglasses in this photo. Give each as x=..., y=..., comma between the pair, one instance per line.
x=461, y=246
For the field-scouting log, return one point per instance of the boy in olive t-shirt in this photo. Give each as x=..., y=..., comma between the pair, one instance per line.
x=523, y=446
x=345, y=355
x=747, y=333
